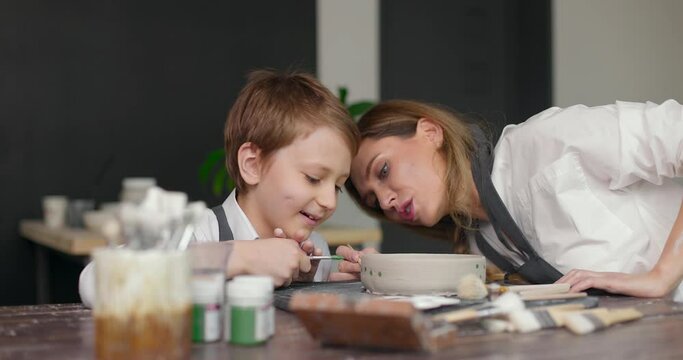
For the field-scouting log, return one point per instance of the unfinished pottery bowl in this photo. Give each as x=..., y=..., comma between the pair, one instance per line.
x=418, y=274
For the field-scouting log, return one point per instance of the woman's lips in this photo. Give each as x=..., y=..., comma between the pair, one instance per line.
x=407, y=211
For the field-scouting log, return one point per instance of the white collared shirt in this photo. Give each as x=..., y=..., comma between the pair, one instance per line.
x=242, y=229
x=595, y=188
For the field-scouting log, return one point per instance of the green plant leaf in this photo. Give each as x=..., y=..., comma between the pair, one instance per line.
x=229, y=184
x=359, y=108
x=212, y=158
x=343, y=92
x=219, y=182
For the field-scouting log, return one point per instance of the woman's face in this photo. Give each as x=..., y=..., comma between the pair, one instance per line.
x=404, y=177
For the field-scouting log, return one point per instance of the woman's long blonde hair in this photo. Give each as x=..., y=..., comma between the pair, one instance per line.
x=400, y=118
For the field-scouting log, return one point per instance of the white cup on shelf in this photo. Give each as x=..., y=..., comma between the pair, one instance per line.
x=54, y=210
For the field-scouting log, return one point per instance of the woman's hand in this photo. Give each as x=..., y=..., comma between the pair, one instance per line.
x=349, y=268
x=650, y=284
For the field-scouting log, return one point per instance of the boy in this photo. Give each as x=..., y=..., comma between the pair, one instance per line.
x=289, y=144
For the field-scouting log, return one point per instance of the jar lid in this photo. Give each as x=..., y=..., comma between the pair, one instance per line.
x=208, y=289
x=251, y=289
x=256, y=279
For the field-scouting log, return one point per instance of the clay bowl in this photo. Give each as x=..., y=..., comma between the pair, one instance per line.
x=418, y=274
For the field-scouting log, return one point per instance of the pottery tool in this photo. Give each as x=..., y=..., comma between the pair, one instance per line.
x=504, y=304
x=326, y=257
x=471, y=287
x=586, y=322
x=549, y=316
x=366, y=321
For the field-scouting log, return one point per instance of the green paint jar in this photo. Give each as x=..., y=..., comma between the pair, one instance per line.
x=247, y=312
x=207, y=307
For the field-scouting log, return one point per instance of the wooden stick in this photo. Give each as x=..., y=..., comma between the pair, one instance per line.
x=529, y=296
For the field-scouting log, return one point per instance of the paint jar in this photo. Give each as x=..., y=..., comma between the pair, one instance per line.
x=208, y=261
x=247, y=312
x=266, y=282
x=142, y=306
x=207, y=306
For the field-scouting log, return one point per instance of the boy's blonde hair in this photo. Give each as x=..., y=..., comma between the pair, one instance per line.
x=273, y=109
x=400, y=118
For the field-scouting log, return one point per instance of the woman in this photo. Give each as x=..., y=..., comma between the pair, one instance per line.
x=585, y=192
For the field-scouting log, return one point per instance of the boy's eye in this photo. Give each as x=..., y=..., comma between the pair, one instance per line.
x=339, y=189
x=312, y=179
x=384, y=171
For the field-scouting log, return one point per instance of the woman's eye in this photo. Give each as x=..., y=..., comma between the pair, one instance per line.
x=384, y=171
x=311, y=179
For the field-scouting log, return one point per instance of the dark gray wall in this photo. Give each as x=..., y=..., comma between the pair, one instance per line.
x=490, y=58
x=94, y=91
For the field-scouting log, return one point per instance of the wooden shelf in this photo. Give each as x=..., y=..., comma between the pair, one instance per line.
x=82, y=242
x=340, y=235
x=70, y=241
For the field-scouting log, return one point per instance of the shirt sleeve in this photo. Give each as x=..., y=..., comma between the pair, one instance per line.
x=651, y=142
x=86, y=285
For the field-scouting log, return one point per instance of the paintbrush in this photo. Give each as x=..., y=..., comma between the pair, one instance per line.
x=548, y=316
x=504, y=304
x=586, y=322
x=326, y=257
x=544, y=288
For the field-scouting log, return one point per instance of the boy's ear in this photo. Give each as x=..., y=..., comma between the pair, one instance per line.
x=430, y=130
x=249, y=161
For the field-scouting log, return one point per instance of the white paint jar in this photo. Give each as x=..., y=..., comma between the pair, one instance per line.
x=247, y=315
x=266, y=283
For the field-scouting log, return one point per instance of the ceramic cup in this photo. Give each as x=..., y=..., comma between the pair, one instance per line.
x=54, y=210
x=76, y=210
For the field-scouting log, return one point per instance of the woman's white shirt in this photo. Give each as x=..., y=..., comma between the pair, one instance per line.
x=593, y=187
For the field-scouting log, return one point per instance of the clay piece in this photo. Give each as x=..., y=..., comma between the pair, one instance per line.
x=418, y=274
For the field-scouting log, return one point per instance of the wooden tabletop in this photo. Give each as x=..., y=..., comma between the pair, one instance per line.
x=82, y=242
x=66, y=331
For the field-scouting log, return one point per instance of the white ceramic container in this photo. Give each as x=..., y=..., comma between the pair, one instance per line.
x=418, y=274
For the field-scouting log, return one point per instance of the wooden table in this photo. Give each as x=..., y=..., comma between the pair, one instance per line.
x=78, y=244
x=66, y=331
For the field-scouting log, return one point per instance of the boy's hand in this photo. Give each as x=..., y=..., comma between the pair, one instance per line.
x=307, y=267
x=308, y=276
x=281, y=259
x=349, y=268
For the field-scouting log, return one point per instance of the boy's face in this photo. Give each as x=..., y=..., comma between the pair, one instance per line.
x=297, y=186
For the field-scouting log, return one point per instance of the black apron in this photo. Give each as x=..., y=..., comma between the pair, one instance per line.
x=534, y=269
x=224, y=231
